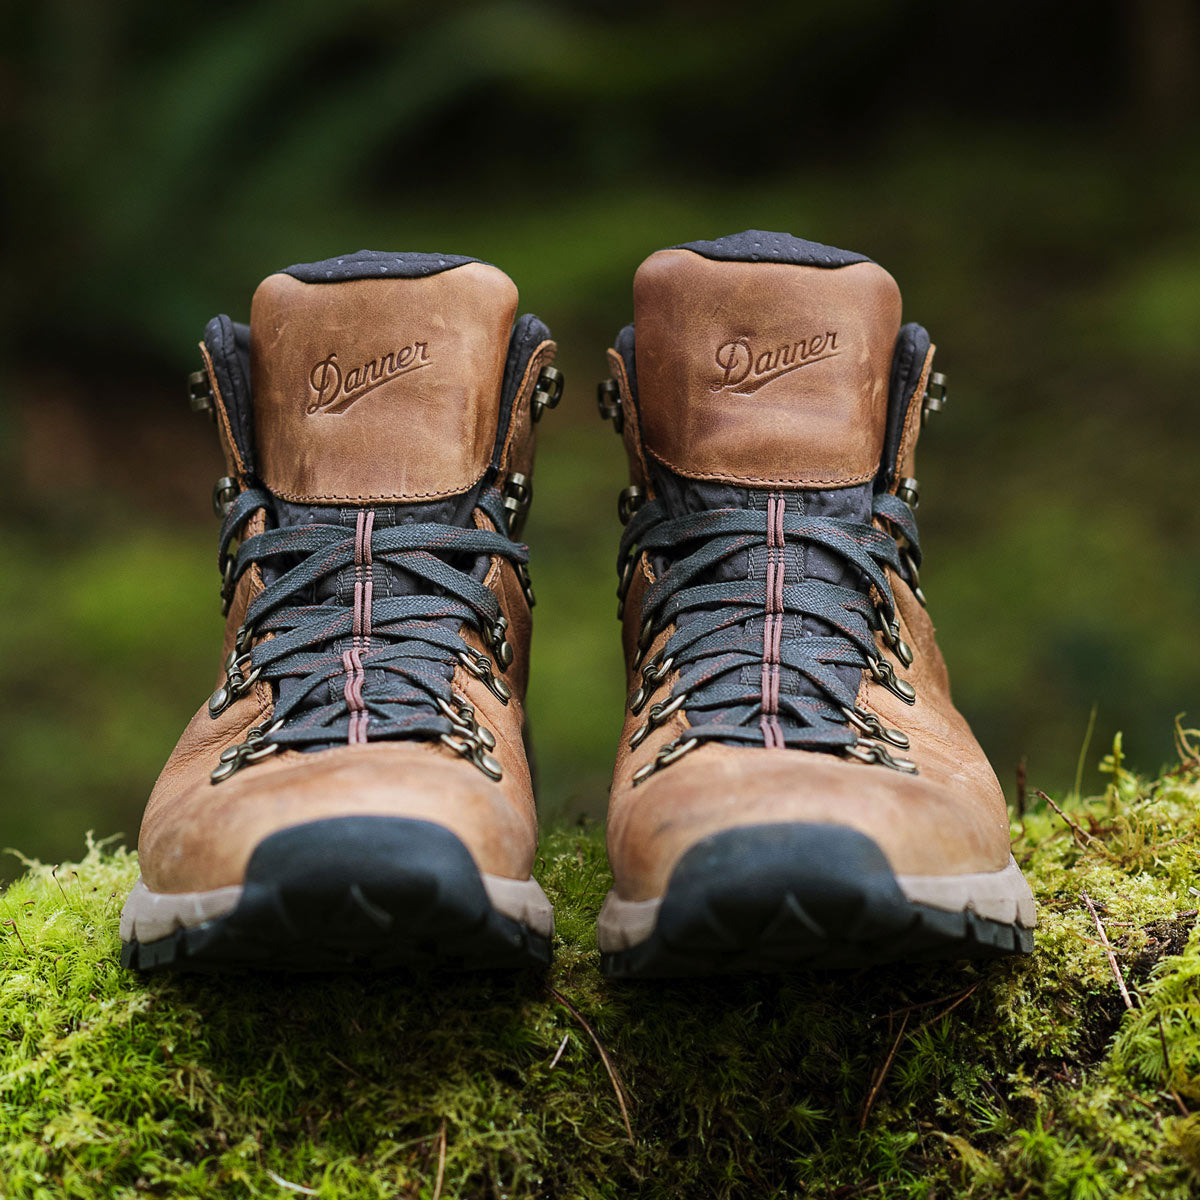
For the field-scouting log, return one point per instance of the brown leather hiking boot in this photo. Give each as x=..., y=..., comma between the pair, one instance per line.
x=793, y=785
x=356, y=790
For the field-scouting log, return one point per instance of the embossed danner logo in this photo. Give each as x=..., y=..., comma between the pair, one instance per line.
x=746, y=368
x=334, y=388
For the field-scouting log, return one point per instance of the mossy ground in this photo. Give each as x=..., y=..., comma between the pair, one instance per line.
x=1027, y=1078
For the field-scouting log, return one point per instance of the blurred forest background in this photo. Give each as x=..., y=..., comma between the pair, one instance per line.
x=1030, y=173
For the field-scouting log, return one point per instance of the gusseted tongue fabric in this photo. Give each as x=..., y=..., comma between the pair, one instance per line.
x=764, y=361
x=378, y=381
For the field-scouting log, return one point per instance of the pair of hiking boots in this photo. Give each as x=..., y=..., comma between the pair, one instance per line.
x=792, y=785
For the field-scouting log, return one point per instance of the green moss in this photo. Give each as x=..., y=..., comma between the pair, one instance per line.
x=1027, y=1078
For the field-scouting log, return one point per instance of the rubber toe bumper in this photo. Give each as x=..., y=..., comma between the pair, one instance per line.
x=342, y=894
x=774, y=897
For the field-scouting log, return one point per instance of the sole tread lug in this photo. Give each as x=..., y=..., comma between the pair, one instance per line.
x=354, y=894
x=830, y=899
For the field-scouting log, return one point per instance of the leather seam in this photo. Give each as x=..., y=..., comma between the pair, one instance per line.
x=233, y=455
x=378, y=499
x=630, y=417
x=545, y=353
x=844, y=481
x=911, y=429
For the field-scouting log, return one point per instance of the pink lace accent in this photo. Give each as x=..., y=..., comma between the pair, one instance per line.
x=352, y=658
x=773, y=625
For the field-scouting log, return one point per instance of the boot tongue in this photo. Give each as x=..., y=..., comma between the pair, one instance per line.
x=378, y=389
x=765, y=363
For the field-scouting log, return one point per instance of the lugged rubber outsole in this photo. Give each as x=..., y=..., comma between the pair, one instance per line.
x=353, y=893
x=781, y=897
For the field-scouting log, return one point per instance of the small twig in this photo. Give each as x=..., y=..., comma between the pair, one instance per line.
x=1162, y=1035
x=291, y=1187
x=1076, y=829
x=1107, y=945
x=16, y=931
x=559, y=1052
x=441, y=1167
x=608, y=1066
x=343, y=1065
x=950, y=1008
x=908, y=1008
x=881, y=1075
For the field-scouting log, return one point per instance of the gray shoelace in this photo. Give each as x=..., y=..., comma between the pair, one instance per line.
x=377, y=667
x=728, y=677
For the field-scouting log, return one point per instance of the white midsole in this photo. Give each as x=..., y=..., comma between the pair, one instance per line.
x=995, y=895
x=148, y=916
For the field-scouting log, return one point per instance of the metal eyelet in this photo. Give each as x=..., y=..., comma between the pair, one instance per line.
x=671, y=752
x=228, y=582
x=646, y=635
x=914, y=577
x=663, y=711
x=481, y=667
x=629, y=501
x=456, y=716
x=526, y=584
x=474, y=750
x=517, y=493
x=243, y=639
x=936, y=397
x=224, y=493
x=908, y=490
x=253, y=749
x=873, y=727
x=627, y=574
x=654, y=671
x=873, y=754
x=890, y=631
x=608, y=401
x=500, y=646
x=661, y=667
x=462, y=717
x=200, y=395
x=883, y=672
x=237, y=682
x=547, y=393
x=658, y=715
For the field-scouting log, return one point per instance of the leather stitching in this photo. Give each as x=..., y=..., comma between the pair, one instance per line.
x=232, y=454
x=912, y=420
x=542, y=356
x=631, y=433
x=843, y=481
x=395, y=498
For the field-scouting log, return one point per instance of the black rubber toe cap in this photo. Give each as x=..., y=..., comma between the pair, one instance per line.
x=772, y=897
x=354, y=892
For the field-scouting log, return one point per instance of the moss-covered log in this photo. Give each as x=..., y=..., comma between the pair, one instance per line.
x=1031, y=1078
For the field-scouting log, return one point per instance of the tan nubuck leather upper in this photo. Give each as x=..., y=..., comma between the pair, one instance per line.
x=366, y=392
x=770, y=375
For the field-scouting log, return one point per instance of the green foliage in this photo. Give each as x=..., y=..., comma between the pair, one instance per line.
x=97, y=634
x=158, y=175
x=1027, y=1078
